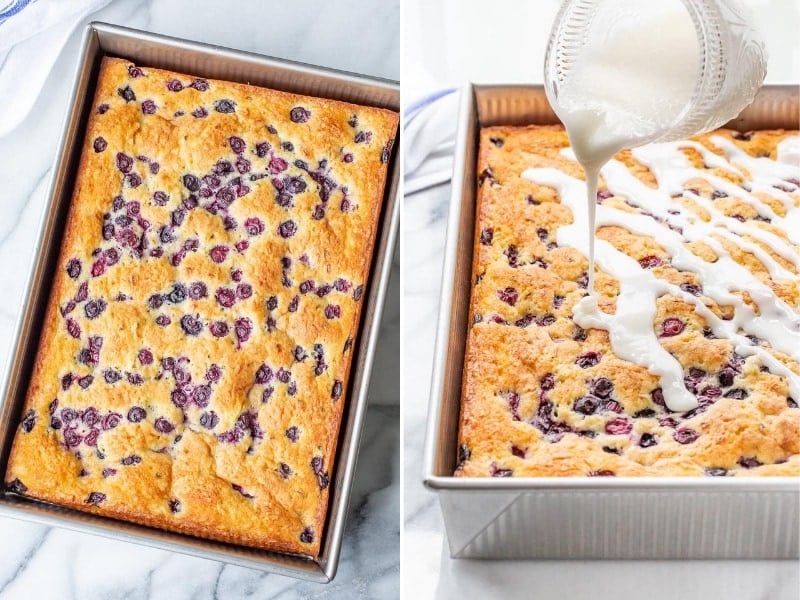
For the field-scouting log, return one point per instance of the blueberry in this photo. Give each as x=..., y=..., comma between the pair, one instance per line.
x=650, y=262
x=333, y=311
x=737, y=394
x=28, y=421
x=73, y=328
x=224, y=106
x=163, y=320
x=201, y=395
x=618, y=426
x=94, y=308
x=287, y=229
x=671, y=327
x=283, y=375
x=201, y=85
x=645, y=413
x=110, y=421
x=200, y=112
x=102, y=109
x=264, y=374
x=160, y=198
x=124, y=162
x=149, y=107
x=243, y=327
x=131, y=460
x=509, y=295
x=749, y=462
x=691, y=288
x=716, y=472
x=307, y=535
x=163, y=426
x=82, y=293
x=209, y=420
x=226, y=297
x=237, y=144
x=262, y=149
x=602, y=387
x=685, y=435
x=386, y=153
x=99, y=144
x=272, y=303
x=586, y=405
x=647, y=440
x=95, y=498
x=218, y=329
x=726, y=376
x=293, y=304
x=267, y=394
x=254, y=226
x=198, y=290
x=336, y=391
x=588, y=359
x=219, y=253
x=126, y=94
x=192, y=325
x=191, y=182
x=299, y=114
x=178, y=293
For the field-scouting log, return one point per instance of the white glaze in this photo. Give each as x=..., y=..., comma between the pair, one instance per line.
x=631, y=329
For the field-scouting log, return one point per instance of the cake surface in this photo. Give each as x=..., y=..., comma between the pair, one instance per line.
x=542, y=396
x=194, y=358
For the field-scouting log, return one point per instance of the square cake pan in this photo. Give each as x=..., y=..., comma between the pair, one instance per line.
x=582, y=518
x=201, y=60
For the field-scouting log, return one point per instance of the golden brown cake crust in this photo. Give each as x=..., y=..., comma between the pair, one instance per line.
x=528, y=365
x=195, y=354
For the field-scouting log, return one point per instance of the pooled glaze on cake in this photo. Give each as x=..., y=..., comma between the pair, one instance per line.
x=196, y=350
x=543, y=396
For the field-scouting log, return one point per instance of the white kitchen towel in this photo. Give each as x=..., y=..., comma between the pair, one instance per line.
x=429, y=140
x=32, y=34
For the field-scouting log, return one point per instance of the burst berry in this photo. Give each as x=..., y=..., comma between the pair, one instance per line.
x=671, y=327
x=508, y=295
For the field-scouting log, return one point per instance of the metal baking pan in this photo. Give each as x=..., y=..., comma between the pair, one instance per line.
x=201, y=60
x=597, y=517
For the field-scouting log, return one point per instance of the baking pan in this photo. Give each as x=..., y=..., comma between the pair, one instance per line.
x=597, y=517
x=201, y=60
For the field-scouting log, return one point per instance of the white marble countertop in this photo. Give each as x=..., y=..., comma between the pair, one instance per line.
x=446, y=43
x=39, y=562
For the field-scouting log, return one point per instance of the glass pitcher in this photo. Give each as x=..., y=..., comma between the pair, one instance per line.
x=731, y=65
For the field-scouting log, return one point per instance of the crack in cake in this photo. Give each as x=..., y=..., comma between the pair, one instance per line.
x=194, y=358
x=697, y=240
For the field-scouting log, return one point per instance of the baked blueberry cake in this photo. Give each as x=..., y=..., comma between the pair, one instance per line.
x=194, y=358
x=701, y=241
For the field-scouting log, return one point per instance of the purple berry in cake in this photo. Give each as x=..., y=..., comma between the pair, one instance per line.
x=671, y=327
x=126, y=94
x=509, y=295
x=95, y=498
x=619, y=426
x=287, y=229
x=589, y=359
x=299, y=114
x=224, y=106
x=163, y=426
x=650, y=262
